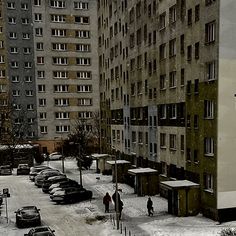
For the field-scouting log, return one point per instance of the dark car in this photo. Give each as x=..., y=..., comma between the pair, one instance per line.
x=71, y=194
x=35, y=170
x=41, y=231
x=23, y=169
x=45, y=174
x=52, y=180
x=28, y=215
x=65, y=184
x=1, y=199
x=5, y=170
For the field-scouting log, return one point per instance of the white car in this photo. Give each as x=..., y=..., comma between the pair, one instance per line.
x=55, y=156
x=55, y=190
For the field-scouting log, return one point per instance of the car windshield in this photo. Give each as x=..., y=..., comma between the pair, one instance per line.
x=28, y=211
x=43, y=234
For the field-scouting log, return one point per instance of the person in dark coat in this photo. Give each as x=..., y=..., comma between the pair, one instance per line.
x=120, y=207
x=150, y=206
x=114, y=198
x=106, y=202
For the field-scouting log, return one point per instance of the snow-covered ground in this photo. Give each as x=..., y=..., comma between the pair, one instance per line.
x=82, y=218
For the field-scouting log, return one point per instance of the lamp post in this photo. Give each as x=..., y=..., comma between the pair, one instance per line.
x=117, y=200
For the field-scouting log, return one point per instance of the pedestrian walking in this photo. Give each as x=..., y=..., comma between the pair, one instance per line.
x=120, y=207
x=114, y=198
x=150, y=207
x=106, y=202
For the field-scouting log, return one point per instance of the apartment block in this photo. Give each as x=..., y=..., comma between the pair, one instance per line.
x=167, y=91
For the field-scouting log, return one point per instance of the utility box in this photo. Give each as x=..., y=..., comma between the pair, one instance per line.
x=183, y=197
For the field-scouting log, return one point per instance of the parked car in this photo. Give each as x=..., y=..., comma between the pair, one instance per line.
x=45, y=174
x=64, y=184
x=71, y=194
x=23, y=169
x=5, y=170
x=35, y=170
x=1, y=199
x=28, y=215
x=41, y=231
x=52, y=180
x=55, y=156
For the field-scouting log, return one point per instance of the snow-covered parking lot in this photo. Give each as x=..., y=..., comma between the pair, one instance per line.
x=88, y=218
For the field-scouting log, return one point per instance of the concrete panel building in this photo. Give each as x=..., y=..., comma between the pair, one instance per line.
x=167, y=91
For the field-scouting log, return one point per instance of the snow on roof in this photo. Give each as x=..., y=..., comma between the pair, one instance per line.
x=97, y=156
x=142, y=171
x=179, y=183
x=19, y=146
x=118, y=162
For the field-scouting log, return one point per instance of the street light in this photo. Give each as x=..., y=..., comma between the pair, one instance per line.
x=116, y=186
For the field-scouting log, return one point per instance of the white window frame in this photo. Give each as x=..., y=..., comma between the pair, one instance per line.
x=208, y=182
x=60, y=74
x=58, y=18
x=38, y=17
x=43, y=129
x=60, y=60
x=28, y=79
x=61, y=102
x=163, y=111
x=84, y=88
x=84, y=75
x=61, y=88
x=85, y=34
x=210, y=32
x=42, y=102
x=208, y=109
x=211, y=70
x=172, y=79
x=83, y=61
x=62, y=115
x=59, y=46
x=79, y=5
x=62, y=128
x=209, y=146
x=85, y=102
x=172, y=141
x=173, y=111
x=57, y=4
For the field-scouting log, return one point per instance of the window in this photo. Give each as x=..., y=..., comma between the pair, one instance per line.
x=83, y=47
x=2, y=59
x=197, y=50
x=196, y=86
x=85, y=114
x=37, y=17
x=42, y=102
x=63, y=129
x=38, y=32
x=81, y=5
x=188, y=154
x=173, y=111
x=182, y=44
x=172, y=82
x=182, y=143
x=15, y=93
x=208, y=109
x=62, y=115
x=162, y=82
x=61, y=102
x=172, y=14
x=2, y=73
x=83, y=61
x=209, y=146
x=162, y=51
x=195, y=121
x=28, y=65
x=28, y=79
x=138, y=9
x=163, y=111
x=15, y=78
x=12, y=35
x=26, y=50
x=41, y=74
x=182, y=75
x=133, y=137
x=60, y=60
x=210, y=33
x=209, y=2
x=60, y=74
x=43, y=129
x=29, y=93
x=58, y=32
x=40, y=60
x=211, y=70
x=162, y=140
x=189, y=16
x=11, y=20
x=85, y=102
x=172, y=47
x=14, y=64
x=61, y=88
x=59, y=46
x=57, y=4
x=25, y=35
x=25, y=21
x=24, y=6
x=172, y=141
x=41, y=88
x=84, y=75
x=58, y=18
x=84, y=88
x=37, y=2
x=42, y=115
x=11, y=5
x=208, y=182
x=39, y=46
x=189, y=53
x=197, y=13
x=162, y=21
x=82, y=19
x=139, y=36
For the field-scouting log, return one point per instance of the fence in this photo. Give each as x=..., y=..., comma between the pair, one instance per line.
x=122, y=229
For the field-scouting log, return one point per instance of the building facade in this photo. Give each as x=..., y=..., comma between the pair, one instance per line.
x=51, y=65
x=166, y=87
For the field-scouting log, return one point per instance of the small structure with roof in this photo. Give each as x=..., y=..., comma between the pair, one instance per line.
x=146, y=181
x=122, y=169
x=101, y=164
x=183, y=197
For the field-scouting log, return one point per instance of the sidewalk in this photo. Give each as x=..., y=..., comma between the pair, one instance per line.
x=134, y=215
